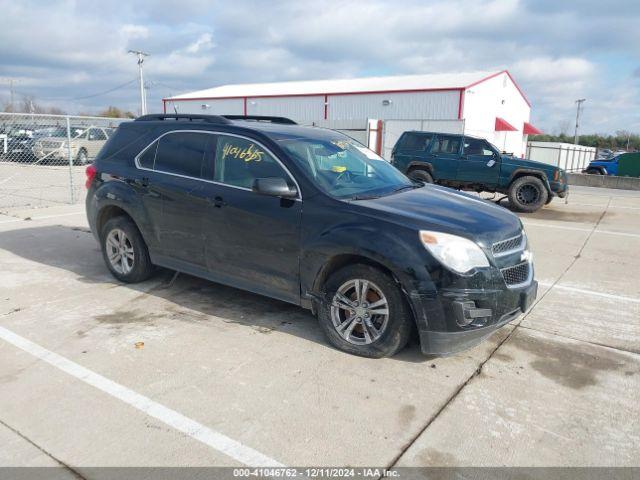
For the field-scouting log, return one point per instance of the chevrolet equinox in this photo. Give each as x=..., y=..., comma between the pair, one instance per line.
x=309, y=216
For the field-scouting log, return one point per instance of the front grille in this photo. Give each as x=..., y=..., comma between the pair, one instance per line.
x=507, y=246
x=516, y=274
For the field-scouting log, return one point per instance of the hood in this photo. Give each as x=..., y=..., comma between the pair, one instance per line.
x=526, y=163
x=442, y=209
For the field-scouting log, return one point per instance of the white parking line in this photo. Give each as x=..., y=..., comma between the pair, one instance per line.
x=213, y=439
x=580, y=229
x=42, y=217
x=591, y=292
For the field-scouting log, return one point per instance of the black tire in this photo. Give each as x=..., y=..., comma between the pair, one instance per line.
x=82, y=158
x=594, y=171
x=141, y=267
x=420, y=175
x=527, y=194
x=393, y=337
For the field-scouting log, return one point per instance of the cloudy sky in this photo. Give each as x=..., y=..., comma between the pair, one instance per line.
x=68, y=53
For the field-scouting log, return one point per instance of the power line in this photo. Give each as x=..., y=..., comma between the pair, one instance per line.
x=106, y=91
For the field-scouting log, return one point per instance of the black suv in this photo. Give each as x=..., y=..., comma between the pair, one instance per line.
x=311, y=217
x=471, y=163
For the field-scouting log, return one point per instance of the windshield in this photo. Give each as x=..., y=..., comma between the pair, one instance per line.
x=345, y=169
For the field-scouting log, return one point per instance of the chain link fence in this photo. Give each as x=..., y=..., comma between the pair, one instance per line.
x=43, y=157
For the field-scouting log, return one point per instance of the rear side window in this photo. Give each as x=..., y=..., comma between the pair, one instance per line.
x=182, y=153
x=148, y=156
x=446, y=144
x=416, y=141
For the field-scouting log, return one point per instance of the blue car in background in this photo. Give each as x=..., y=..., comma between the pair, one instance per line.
x=624, y=164
x=603, y=167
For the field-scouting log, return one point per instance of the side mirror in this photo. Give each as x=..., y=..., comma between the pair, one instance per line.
x=274, y=187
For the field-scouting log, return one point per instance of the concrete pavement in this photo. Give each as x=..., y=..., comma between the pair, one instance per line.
x=557, y=387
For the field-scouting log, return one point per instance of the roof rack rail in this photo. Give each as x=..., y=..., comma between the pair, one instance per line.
x=182, y=116
x=261, y=118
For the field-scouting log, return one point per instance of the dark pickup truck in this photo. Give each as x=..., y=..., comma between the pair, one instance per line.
x=470, y=163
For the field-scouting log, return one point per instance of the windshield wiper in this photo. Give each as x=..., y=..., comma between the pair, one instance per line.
x=365, y=197
x=405, y=187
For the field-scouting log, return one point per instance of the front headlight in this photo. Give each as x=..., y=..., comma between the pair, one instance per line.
x=456, y=253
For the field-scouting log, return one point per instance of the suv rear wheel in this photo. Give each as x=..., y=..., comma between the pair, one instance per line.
x=420, y=175
x=124, y=251
x=365, y=313
x=527, y=194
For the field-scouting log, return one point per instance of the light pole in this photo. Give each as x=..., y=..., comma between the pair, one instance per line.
x=143, y=97
x=578, y=103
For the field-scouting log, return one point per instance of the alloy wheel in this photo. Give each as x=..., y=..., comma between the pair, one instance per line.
x=359, y=312
x=120, y=251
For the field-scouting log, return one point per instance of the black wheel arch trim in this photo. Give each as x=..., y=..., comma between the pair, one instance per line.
x=119, y=195
x=415, y=164
x=519, y=172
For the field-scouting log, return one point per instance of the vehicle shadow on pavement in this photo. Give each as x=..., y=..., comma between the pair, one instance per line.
x=190, y=299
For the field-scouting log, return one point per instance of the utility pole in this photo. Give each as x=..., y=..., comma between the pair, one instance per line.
x=143, y=96
x=579, y=102
x=11, y=82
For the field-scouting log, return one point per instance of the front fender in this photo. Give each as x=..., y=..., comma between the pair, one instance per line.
x=404, y=259
x=529, y=171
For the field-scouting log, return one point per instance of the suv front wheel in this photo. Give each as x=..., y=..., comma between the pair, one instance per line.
x=124, y=251
x=528, y=194
x=365, y=312
x=420, y=175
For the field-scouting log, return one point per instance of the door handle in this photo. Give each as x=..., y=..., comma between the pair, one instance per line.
x=218, y=202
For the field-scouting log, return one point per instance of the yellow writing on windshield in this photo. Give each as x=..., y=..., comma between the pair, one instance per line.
x=248, y=154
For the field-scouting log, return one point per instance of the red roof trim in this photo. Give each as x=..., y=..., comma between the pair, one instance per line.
x=524, y=97
x=503, y=126
x=529, y=129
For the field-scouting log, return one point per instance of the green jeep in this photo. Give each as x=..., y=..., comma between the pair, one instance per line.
x=471, y=163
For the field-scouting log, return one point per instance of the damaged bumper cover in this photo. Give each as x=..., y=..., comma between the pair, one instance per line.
x=456, y=320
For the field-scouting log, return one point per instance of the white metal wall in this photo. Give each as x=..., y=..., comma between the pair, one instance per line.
x=354, y=128
x=218, y=106
x=301, y=109
x=496, y=97
x=440, y=105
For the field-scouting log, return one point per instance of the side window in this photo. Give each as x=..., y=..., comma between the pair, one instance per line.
x=416, y=141
x=446, y=144
x=182, y=153
x=239, y=161
x=476, y=146
x=148, y=156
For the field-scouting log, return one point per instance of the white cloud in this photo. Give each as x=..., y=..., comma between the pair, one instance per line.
x=557, y=51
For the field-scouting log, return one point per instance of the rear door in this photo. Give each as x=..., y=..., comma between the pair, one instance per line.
x=181, y=171
x=252, y=241
x=479, y=162
x=445, y=154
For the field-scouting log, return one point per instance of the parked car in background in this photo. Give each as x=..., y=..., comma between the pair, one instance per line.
x=470, y=163
x=311, y=217
x=21, y=142
x=86, y=142
x=624, y=164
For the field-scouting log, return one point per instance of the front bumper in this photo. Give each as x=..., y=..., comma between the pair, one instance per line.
x=442, y=333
